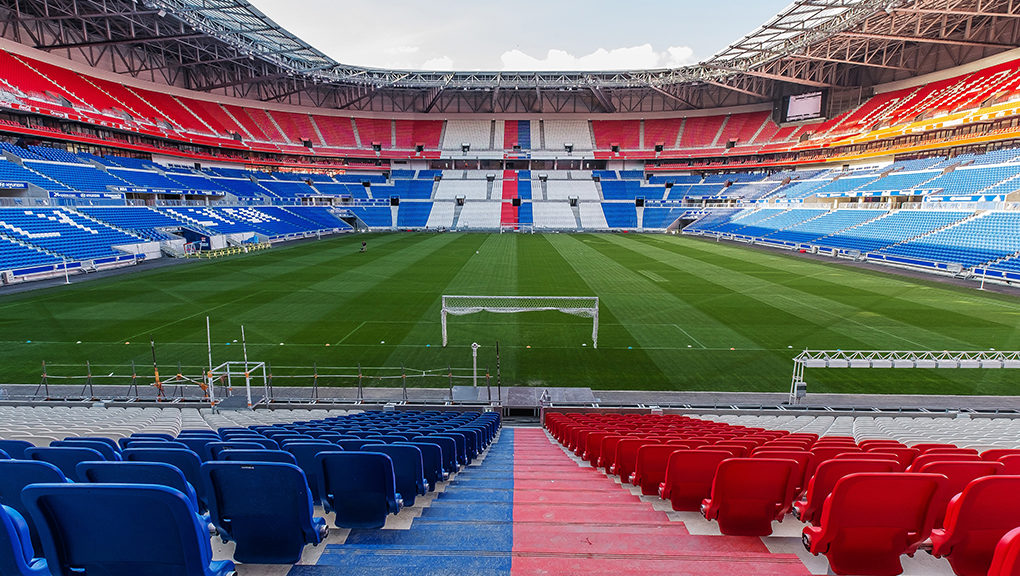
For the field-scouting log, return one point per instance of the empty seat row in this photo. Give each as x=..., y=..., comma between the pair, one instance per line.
x=254, y=485
x=747, y=478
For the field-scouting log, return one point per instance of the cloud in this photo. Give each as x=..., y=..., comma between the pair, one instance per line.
x=401, y=49
x=438, y=63
x=639, y=57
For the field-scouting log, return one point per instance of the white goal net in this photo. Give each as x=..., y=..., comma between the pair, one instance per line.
x=583, y=306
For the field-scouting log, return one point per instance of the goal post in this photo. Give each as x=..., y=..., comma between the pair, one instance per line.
x=583, y=306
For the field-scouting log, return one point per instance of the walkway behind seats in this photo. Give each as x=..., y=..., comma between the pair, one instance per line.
x=528, y=509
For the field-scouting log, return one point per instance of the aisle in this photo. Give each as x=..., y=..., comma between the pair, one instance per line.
x=527, y=509
x=466, y=529
x=574, y=520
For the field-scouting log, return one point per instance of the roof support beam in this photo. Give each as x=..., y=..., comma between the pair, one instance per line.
x=777, y=77
x=949, y=41
x=118, y=41
x=735, y=89
x=850, y=62
x=672, y=96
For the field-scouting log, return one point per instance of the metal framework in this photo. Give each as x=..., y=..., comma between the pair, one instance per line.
x=895, y=359
x=230, y=47
x=584, y=306
x=229, y=372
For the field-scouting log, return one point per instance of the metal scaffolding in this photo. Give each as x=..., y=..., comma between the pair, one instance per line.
x=946, y=359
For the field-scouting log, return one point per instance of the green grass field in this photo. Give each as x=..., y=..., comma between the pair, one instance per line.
x=676, y=314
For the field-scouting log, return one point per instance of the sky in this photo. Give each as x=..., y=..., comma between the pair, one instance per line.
x=520, y=35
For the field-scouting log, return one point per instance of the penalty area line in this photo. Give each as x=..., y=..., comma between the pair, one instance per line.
x=349, y=334
x=695, y=340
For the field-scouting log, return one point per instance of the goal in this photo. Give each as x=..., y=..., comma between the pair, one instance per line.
x=583, y=306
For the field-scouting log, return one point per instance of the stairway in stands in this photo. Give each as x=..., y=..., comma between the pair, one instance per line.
x=570, y=519
x=507, y=210
x=467, y=529
x=527, y=508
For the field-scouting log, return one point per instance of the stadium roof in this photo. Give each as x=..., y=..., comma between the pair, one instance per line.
x=230, y=47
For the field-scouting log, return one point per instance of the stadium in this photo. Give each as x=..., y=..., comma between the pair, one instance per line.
x=267, y=313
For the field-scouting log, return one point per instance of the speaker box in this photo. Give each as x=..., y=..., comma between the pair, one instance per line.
x=516, y=201
x=394, y=200
x=639, y=202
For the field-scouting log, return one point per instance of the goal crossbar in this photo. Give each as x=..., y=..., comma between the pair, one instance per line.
x=583, y=306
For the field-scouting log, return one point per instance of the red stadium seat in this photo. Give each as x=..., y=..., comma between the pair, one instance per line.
x=836, y=440
x=607, y=454
x=733, y=451
x=594, y=447
x=958, y=451
x=626, y=457
x=826, y=475
x=872, y=456
x=869, y=444
x=806, y=464
x=828, y=452
x=958, y=475
x=738, y=450
x=1006, y=560
x=1012, y=464
x=871, y=519
x=924, y=459
x=976, y=520
x=924, y=447
x=650, y=469
x=689, y=477
x=904, y=455
x=748, y=494
x=996, y=453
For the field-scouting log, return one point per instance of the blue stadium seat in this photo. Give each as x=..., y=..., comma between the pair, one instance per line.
x=360, y=487
x=304, y=440
x=449, y=450
x=108, y=441
x=185, y=460
x=257, y=456
x=17, y=555
x=154, y=443
x=432, y=461
x=15, y=475
x=121, y=530
x=213, y=449
x=407, y=468
x=265, y=507
x=352, y=444
x=158, y=473
x=460, y=439
x=103, y=448
x=388, y=438
x=64, y=458
x=267, y=443
x=304, y=455
x=156, y=435
x=196, y=443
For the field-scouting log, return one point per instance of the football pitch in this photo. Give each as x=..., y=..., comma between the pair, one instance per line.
x=676, y=314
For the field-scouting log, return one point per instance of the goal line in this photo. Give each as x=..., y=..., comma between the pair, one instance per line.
x=583, y=306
